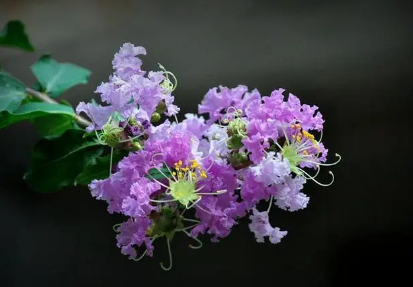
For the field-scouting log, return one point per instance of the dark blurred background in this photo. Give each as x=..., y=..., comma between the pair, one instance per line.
x=351, y=58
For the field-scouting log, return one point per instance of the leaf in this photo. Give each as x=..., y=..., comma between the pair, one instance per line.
x=33, y=110
x=12, y=92
x=56, y=162
x=37, y=87
x=55, y=78
x=54, y=125
x=14, y=35
x=156, y=174
x=99, y=169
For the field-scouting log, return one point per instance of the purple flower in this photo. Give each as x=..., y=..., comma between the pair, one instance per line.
x=194, y=124
x=261, y=227
x=253, y=191
x=271, y=170
x=126, y=63
x=133, y=233
x=120, y=185
x=98, y=114
x=215, y=101
x=130, y=92
x=256, y=145
x=288, y=195
x=218, y=214
x=252, y=148
x=137, y=204
x=215, y=143
x=172, y=144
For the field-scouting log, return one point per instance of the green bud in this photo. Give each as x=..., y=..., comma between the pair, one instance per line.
x=133, y=122
x=237, y=127
x=243, y=157
x=161, y=108
x=135, y=146
x=156, y=117
x=111, y=134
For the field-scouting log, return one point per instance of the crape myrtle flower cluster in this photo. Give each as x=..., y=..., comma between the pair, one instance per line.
x=252, y=148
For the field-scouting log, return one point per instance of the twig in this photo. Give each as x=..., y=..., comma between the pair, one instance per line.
x=45, y=98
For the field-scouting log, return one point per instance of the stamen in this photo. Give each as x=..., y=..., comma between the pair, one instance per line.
x=162, y=200
x=214, y=193
x=190, y=220
x=327, y=164
x=158, y=182
x=188, y=227
x=278, y=145
x=170, y=257
x=160, y=171
x=230, y=109
x=194, y=203
x=307, y=176
x=321, y=136
x=131, y=139
x=194, y=238
x=285, y=135
x=199, y=189
x=201, y=208
x=270, y=204
x=116, y=227
x=140, y=257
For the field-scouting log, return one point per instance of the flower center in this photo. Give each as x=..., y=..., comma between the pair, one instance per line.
x=183, y=191
x=184, y=188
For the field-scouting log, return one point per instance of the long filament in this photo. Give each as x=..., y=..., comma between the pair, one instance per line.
x=194, y=238
x=170, y=257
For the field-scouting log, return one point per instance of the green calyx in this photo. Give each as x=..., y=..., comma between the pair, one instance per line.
x=165, y=223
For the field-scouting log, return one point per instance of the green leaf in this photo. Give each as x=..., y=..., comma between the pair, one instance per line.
x=12, y=92
x=56, y=162
x=13, y=35
x=99, y=169
x=33, y=110
x=55, y=78
x=156, y=174
x=55, y=125
x=37, y=87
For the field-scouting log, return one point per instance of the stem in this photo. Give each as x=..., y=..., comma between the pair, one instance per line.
x=45, y=98
x=111, y=161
